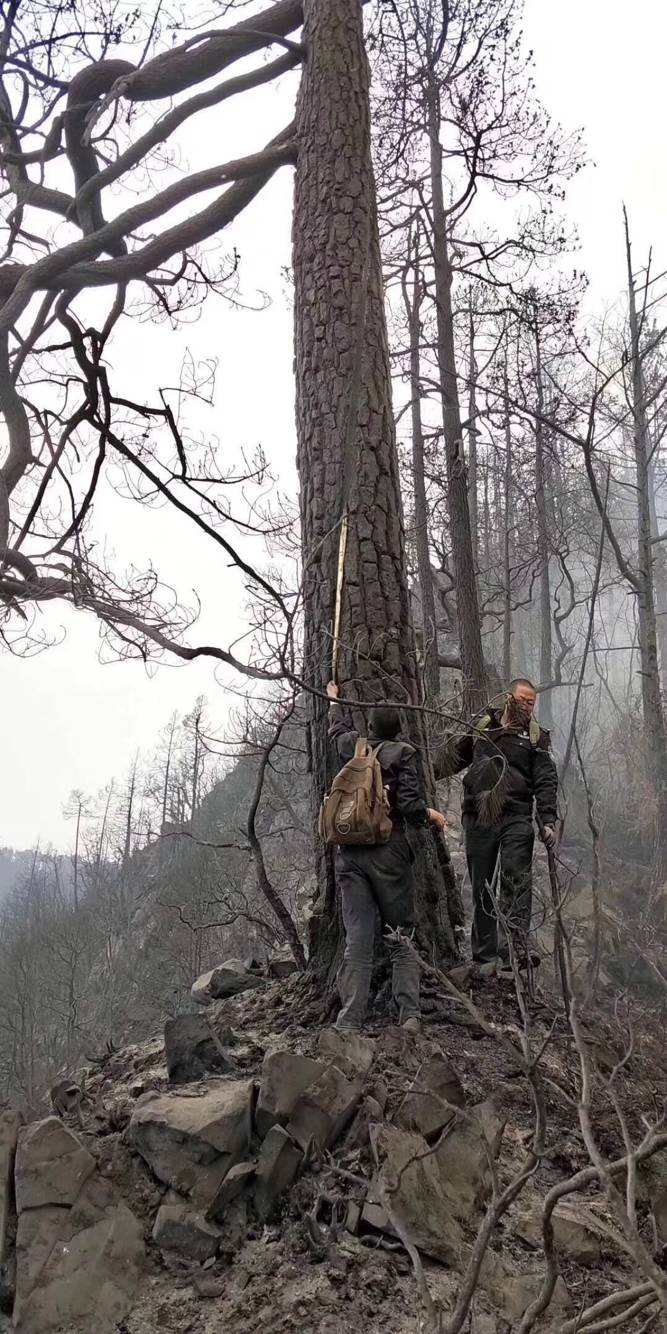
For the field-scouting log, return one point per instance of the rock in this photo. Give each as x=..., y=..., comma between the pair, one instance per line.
x=51, y=1165
x=346, y=1045
x=352, y=1217
x=575, y=1234
x=512, y=1293
x=208, y=1285
x=253, y=965
x=191, y=1143
x=368, y=1113
x=78, y=1265
x=463, y=1161
x=324, y=1109
x=460, y=975
x=228, y=979
x=282, y=965
x=285, y=1075
x=277, y=1167
x=376, y=1216
x=10, y=1123
x=192, y=1049
x=431, y=1102
x=380, y=1092
x=409, y=1178
x=236, y=1181
x=185, y=1231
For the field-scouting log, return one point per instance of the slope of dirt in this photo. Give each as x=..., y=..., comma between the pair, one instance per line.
x=302, y=1268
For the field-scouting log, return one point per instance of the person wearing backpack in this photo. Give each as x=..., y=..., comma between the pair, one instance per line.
x=510, y=777
x=377, y=794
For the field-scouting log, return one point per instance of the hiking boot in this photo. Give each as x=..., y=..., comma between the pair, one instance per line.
x=413, y=1025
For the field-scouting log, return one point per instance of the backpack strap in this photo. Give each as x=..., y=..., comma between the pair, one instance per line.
x=361, y=748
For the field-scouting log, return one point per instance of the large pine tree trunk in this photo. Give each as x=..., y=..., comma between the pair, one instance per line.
x=336, y=253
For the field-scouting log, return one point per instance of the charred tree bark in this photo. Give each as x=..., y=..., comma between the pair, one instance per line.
x=336, y=254
x=472, y=658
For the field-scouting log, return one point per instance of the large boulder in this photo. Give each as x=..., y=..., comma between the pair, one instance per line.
x=190, y=1143
x=407, y=1195
x=80, y=1251
x=228, y=979
x=51, y=1165
x=463, y=1160
x=324, y=1109
x=193, y=1049
x=285, y=1076
x=431, y=1102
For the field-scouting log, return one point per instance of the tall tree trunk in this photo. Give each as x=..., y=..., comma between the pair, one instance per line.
x=654, y=718
x=336, y=253
x=507, y=546
x=472, y=658
x=543, y=545
x=430, y=665
x=659, y=577
x=472, y=439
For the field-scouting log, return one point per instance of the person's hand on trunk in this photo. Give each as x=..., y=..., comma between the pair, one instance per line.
x=549, y=837
x=438, y=819
x=332, y=690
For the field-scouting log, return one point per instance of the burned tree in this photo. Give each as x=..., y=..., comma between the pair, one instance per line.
x=347, y=445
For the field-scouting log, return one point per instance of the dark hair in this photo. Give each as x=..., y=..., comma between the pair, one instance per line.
x=521, y=681
x=385, y=722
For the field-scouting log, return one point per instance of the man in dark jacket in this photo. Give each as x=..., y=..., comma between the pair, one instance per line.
x=380, y=878
x=510, y=774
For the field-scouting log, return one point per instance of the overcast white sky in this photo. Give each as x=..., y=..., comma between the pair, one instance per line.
x=68, y=721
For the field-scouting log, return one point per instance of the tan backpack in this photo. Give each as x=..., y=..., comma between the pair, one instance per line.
x=356, y=810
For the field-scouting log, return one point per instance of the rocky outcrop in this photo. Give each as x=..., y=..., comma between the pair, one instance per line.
x=80, y=1250
x=190, y=1143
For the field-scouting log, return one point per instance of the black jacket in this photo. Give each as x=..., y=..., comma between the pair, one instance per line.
x=397, y=762
x=505, y=761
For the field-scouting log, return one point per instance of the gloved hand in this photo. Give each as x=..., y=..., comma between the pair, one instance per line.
x=549, y=836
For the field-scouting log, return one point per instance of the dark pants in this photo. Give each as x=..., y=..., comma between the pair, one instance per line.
x=371, y=881
x=502, y=898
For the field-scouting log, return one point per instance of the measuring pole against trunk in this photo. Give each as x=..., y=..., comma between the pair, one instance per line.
x=348, y=446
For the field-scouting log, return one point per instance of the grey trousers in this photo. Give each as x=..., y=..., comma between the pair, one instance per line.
x=513, y=839
x=371, y=881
